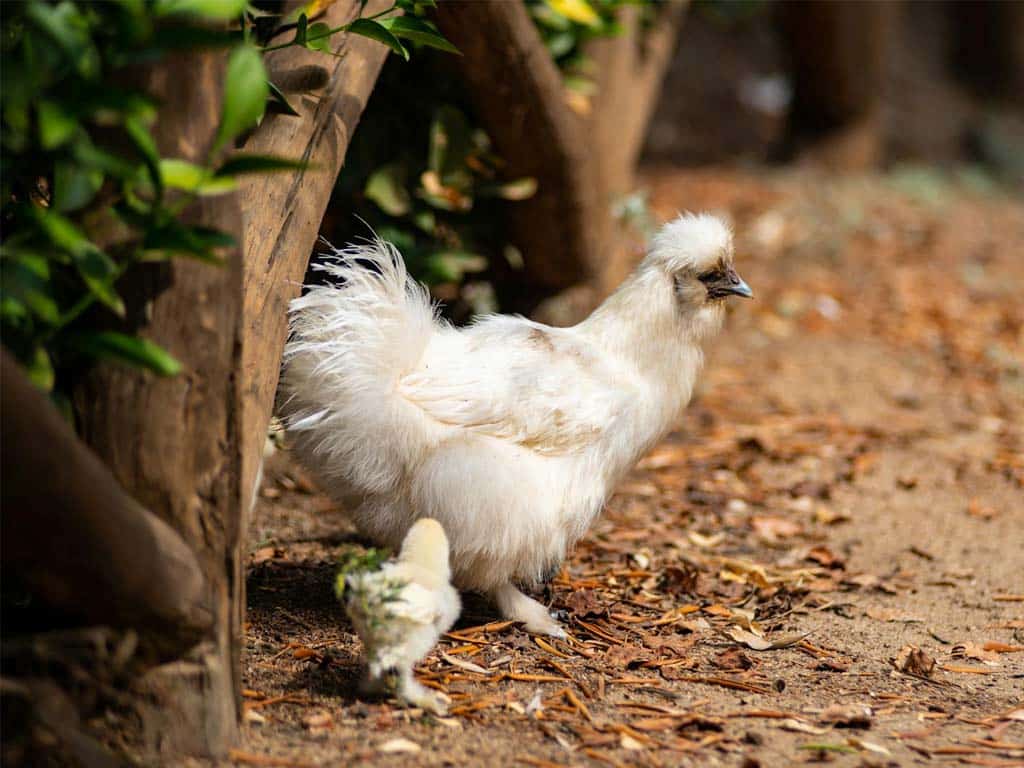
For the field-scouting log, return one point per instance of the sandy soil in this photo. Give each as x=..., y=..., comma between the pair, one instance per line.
x=850, y=470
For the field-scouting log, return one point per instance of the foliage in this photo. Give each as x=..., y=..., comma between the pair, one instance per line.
x=86, y=195
x=422, y=173
x=422, y=176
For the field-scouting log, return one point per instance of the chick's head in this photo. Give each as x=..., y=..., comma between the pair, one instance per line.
x=695, y=252
x=426, y=545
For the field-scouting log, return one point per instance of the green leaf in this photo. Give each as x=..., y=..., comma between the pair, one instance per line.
x=189, y=177
x=175, y=239
x=24, y=283
x=419, y=31
x=132, y=350
x=281, y=100
x=40, y=369
x=56, y=126
x=220, y=10
x=319, y=38
x=242, y=163
x=386, y=187
x=144, y=142
x=375, y=31
x=74, y=186
x=450, y=142
x=96, y=269
x=450, y=266
x=301, y=25
x=245, y=94
x=66, y=26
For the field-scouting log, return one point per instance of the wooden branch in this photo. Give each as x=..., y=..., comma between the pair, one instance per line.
x=517, y=89
x=74, y=537
x=282, y=212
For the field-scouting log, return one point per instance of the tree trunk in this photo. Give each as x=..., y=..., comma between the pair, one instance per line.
x=174, y=443
x=582, y=165
x=189, y=448
x=518, y=93
x=838, y=54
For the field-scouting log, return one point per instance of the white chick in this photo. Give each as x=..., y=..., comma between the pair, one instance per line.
x=511, y=433
x=401, y=610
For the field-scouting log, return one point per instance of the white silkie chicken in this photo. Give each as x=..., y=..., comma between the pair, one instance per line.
x=401, y=610
x=511, y=433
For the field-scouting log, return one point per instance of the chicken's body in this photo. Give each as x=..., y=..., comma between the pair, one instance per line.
x=512, y=434
x=401, y=610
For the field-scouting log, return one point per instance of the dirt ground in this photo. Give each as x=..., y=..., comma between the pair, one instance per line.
x=845, y=491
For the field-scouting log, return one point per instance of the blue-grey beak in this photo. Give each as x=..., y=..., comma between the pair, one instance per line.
x=729, y=284
x=741, y=288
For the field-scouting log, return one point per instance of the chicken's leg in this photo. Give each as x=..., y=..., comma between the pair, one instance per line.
x=516, y=606
x=415, y=693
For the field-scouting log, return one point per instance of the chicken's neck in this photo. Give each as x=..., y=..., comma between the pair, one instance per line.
x=643, y=327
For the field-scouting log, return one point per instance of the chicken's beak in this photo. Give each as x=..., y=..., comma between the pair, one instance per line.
x=730, y=284
x=740, y=288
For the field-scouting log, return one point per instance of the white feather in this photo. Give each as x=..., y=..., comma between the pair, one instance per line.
x=510, y=433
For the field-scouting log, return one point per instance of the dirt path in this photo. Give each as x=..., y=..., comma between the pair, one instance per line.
x=852, y=468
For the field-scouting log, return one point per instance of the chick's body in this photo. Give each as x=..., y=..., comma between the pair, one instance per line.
x=510, y=433
x=401, y=610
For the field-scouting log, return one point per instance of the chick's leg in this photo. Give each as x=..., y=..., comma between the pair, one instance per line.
x=413, y=692
x=516, y=606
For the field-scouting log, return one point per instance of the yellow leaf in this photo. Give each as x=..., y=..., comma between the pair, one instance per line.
x=579, y=11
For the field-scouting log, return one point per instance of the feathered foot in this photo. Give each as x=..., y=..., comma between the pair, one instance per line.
x=413, y=692
x=516, y=606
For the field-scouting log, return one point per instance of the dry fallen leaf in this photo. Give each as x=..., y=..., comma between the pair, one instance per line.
x=466, y=665
x=756, y=643
x=399, y=745
x=976, y=652
x=773, y=529
x=913, y=660
x=792, y=724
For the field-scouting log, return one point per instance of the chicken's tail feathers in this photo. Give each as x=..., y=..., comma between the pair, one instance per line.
x=350, y=342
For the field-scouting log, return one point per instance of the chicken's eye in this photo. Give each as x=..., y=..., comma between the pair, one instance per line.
x=710, y=277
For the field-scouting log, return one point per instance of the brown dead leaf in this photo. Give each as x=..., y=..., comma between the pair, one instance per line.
x=756, y=643
x=826, y=557
x=732, y=659
x=679, y=580
x=976, y=652
x=626, y=656
x=847, y=715
x=997, y=647
x=584, y=602
x=772, y=529
x=913, y=660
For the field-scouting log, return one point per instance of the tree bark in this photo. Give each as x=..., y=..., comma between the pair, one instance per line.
x=74, y=537
x=174, y=443
x=517, y=90
x=282, y=212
